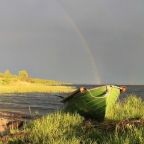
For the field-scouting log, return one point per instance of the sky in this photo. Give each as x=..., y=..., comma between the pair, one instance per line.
x=76, y=41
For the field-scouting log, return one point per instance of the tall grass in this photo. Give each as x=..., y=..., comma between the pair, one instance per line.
x=65, y=128
x=19, y=84
x=131, y=107
x=12, y=85
x=35, y=88
x=56, y=128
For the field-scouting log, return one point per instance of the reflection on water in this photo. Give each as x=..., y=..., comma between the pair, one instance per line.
x=43, y=103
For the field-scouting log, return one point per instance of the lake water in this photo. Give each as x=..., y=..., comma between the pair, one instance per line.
x=43, y=103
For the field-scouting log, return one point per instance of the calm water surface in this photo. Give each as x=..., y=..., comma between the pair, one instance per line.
x=43, y=103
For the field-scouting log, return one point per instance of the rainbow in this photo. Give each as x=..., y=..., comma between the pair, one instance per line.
x=85, y=45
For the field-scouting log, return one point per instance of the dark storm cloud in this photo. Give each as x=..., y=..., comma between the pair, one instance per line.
x=38, y=36
x=115, y=32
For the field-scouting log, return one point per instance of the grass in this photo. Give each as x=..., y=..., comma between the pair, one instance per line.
x=66, y=128
x=131, y=107
x=23, y=83
x=26, y=87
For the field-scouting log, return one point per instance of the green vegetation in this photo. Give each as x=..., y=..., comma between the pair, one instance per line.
x=23, y=75
x=22, y=82
x=65, y=128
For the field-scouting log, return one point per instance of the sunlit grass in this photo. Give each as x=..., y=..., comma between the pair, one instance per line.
x=65, y=128
x=131, y=107
x=34, y=88
x=16, y=84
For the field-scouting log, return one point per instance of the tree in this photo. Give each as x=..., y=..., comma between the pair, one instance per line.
x=7, y=73
x=23, y=75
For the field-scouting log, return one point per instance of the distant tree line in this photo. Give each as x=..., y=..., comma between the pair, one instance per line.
x=22, y=74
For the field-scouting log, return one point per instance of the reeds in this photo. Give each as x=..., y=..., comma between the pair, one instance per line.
x=24, y=84
x=35, y=88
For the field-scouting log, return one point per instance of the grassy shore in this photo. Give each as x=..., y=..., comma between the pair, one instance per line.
x=65, y=128
x=27, y=87
x=23, y=83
